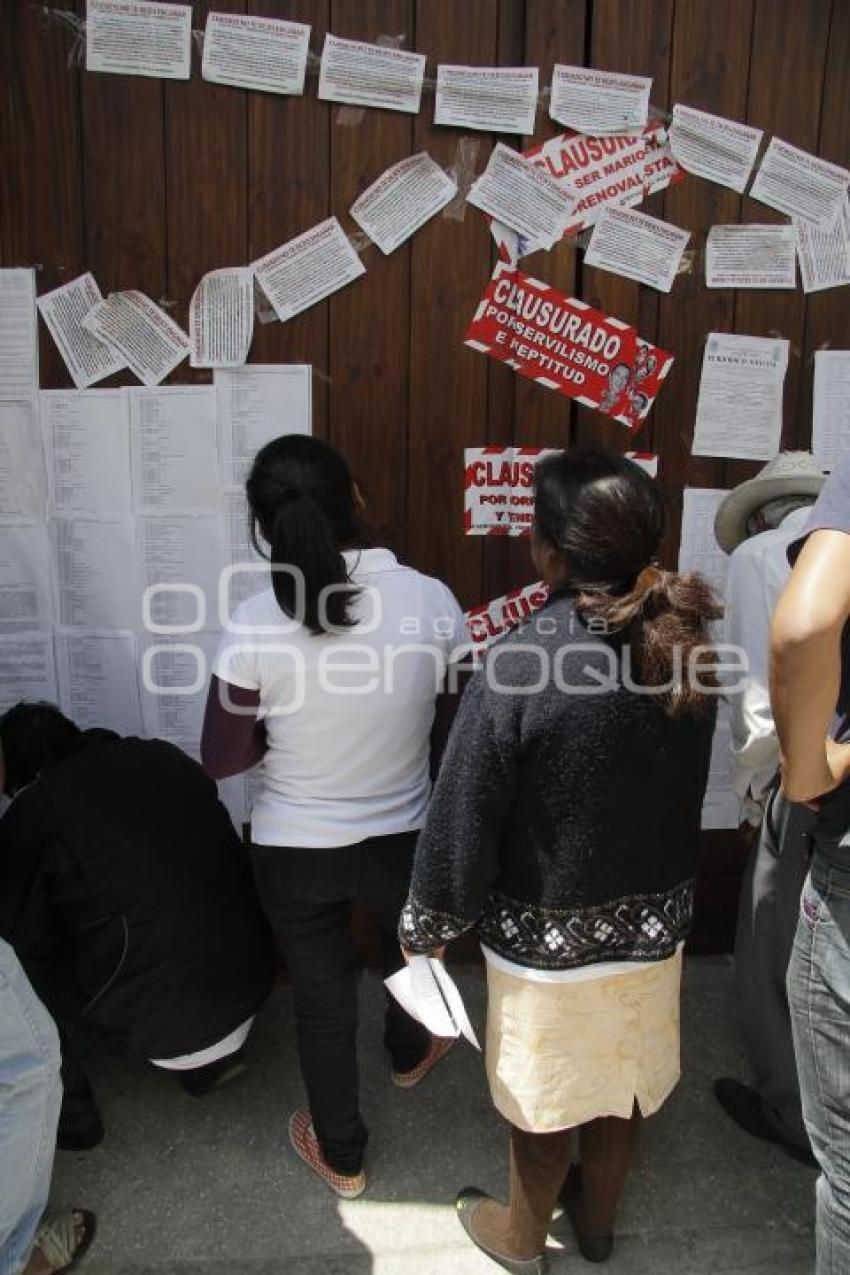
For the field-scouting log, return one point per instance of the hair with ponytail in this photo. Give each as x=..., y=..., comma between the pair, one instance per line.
x=605, y=516
x=301, y=496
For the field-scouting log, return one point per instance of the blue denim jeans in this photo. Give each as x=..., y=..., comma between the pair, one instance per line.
x=819, y=996
x=30, y=1097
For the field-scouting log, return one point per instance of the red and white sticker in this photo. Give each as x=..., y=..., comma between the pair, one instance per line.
x=491, y=620
x=499, y=489
x=603, y=171
x=646, y=460
x=567, y=346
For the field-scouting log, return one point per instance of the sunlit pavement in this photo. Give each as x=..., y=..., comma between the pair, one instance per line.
x=185, y=1186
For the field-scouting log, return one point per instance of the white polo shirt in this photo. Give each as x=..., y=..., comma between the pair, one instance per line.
x=348, y=716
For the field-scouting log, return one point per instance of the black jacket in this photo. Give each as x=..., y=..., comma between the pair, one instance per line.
x=565, y=820
x=128, y=897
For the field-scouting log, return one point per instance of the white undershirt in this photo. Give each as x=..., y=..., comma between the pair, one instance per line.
x=203, y=1057
x=583, y=974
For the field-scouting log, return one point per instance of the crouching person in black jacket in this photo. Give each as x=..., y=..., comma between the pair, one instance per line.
x=126, y=894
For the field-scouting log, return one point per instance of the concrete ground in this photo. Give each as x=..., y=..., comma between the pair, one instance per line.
x=184, y=1186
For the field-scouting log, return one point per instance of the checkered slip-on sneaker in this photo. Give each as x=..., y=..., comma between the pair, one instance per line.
x=439, y=1047
x=302, y=1135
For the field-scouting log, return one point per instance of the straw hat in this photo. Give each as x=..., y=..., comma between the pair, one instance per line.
x=788, y=474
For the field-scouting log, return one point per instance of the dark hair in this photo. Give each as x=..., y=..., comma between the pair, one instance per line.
x=605, y=516
x=301, y=497
x=33, y=735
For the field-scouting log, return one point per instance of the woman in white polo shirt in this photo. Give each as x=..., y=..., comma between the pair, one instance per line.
x=330, y=678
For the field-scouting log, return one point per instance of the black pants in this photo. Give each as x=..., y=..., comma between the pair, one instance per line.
x=307, y=895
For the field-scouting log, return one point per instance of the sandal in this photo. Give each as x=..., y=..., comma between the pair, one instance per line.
x=437, y=1049
x=59, y=1243
x=302, y=1135
x=466, y=1206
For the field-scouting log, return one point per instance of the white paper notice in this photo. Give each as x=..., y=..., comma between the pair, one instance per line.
x=718, y=149
x=497, y=99
x=630, y=243
x=221, y=318
x=403, y=199
x=174, y=689
x=255, y=53
x=96, y=578
x=174, y=450
x=181, y=561
x=523, y=196
x=722, y=806
x=26, y=598
x=751, y=256
x=699, y=550
x=256, y=404
x=23, y=486
x=800, y=184
x=250, y=573
x=371, y=75
x=739, y=410
x=63, y=310
x=150, y=342
x=18, y=335
x=98, y=680
x=831, y=419
x=427, y=992
x=824, y=254
x=87, y=445
x=27, y=670
x=137, y=37
x=305, y=270
x=599, y=102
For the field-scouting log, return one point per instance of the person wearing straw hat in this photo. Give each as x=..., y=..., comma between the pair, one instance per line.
x=755, y=524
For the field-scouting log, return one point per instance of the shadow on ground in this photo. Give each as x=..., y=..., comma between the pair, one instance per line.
x=185, y=1186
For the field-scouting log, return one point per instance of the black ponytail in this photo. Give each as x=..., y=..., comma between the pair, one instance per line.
x=301, y=497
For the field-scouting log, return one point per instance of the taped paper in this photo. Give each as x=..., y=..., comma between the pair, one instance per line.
x=402, y=200
x=63, y=310
x=147, y=339
x=599, y=102
x=639, y=247
x=492, y=620
x=264, y=54
x=495, y=99
x=715, y=148
x=523, y=196
x=221, y=318
x=800, y=184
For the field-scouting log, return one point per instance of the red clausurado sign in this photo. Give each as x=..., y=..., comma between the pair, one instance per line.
x=565, y=345
x=498, y=487
x=491, y=620
x=604, y=172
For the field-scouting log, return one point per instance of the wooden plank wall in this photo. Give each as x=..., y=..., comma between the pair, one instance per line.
x=149, y=184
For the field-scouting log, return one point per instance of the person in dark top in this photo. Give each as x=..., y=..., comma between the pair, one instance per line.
x=130, y=902
x=810, y=694
x=564, y=826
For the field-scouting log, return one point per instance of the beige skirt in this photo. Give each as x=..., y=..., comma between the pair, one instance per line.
x=560, y=1054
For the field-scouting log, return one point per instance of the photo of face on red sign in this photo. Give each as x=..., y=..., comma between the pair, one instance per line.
x=567, y=346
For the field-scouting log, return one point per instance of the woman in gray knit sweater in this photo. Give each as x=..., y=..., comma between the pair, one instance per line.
x=564, y=827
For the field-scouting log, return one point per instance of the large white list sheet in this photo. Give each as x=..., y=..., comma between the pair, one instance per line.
x=87, y=444
x=256, y=404
x=27, y=670
x=18, y=335
x=26, y=603
x=23, y=489
x=698, y=549
x=739, y=409
x=98, y=681
x=96, y=576
x=174, y=450
x=181, y=561
x=831, y=418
